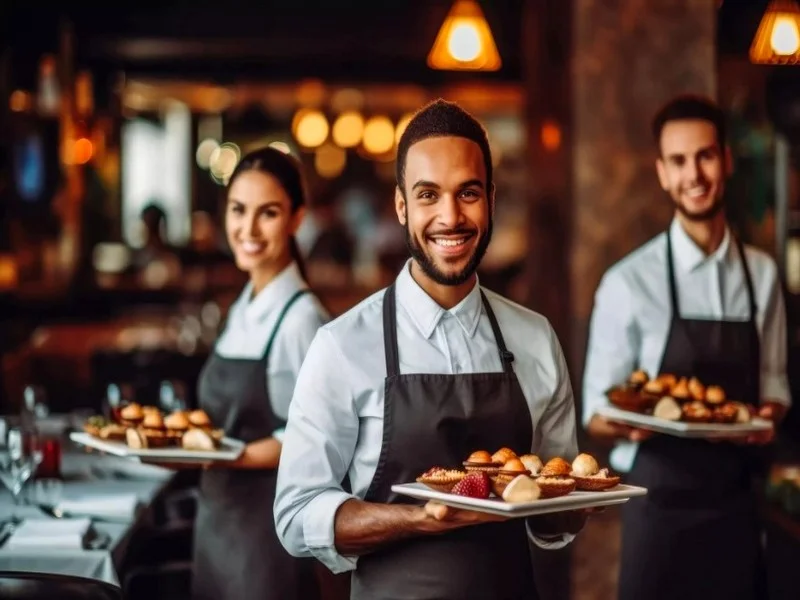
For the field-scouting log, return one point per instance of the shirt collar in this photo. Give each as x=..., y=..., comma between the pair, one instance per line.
x=425, y=313
x=688, y=256
x=275, y=294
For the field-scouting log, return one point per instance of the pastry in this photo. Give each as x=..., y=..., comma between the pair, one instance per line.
x=513, y=466
x=503, y=455
x=554, y=479
x=156, y=438
x=597, y=482
x=521, y=489
x=629, y=398
x=584, y=465
x=198, y=439
x=680, y=391
x=532, y=462
x=725, y=413
x=715, y=395
x=135, y=439
x=481, y=460
x=152, y=420
x=742, y=412
x=94, y=424
x=667, y=408
x=638, y=378
x=697, y=390
x=113, y=432
x=556, y=467
x=177, y=422
x=131, y=415
x=653, y=388
x=441, y=480
x=668, y=381
x=199, y=418
x=508, y=472
x=696, y=412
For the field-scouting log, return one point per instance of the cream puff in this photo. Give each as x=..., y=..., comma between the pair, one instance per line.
x=198, y=439
x=131, y=415
x=584, y=465
x=680, y=391
x=481, y=460
x=697, y=389
x=715, y=395
x=199, y=418
x=554, y=479
x=532, y=462
x=503, y=455
x=638, y=378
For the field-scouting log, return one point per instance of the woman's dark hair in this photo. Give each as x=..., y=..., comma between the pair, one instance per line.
x=289, y=174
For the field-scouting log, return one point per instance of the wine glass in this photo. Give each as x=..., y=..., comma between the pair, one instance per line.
x=24, y=455
x=172, y=396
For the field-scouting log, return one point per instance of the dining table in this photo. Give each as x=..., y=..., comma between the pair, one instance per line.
x=109, y=494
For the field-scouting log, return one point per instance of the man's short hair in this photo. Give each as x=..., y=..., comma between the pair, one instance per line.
x=442, y=119
x=690, y=106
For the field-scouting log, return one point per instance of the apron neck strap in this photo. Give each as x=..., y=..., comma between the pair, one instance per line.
x=281, y=316
x=390, y=333
x=673, y=288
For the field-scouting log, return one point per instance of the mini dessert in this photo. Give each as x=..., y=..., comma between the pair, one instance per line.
x=742, y=412
x=725, y=413
x=667, y=408
x=441, y=480
x=508, y=472
x=638, y=378
x=131, y=415
x=94, y=424
x=135, y=439
x=668, y=381
x=473, y=485
x=199, y=418
x=653, y=388
x=588, y=475
x=697, y=390
x=113, y=432
x=584, y=465
x=696, y=412
x=680, y=391
x=153, y=420
x=177, y=422
x=629, y=398
x=481, y=460
x=532, y=462
x=156, y=438
x=198, y=439
x=522, y=489
x=555, y=480
x=147, y=410
x=715, y=395
x=503, y=455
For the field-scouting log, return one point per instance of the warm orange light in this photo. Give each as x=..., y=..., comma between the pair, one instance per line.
x=777, y=40
x=20, y=101
x=378, y=135
x=465, y=41
x=310, y=128
x=82, y=151
x=551, y=136
x=348, y=129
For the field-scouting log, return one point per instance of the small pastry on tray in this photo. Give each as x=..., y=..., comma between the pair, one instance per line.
x=198, y=439
x=696, y=412
x=176, y=425
x=521, y=489
x=715, y=395
x=94, y=424
x=532, y=462
x=638, y=378
x=668, y=409
x=697, y=390
x=507, y=473
x=113, y=432
x=441, y=480
x=555, y=480
x=680, y=391
x=743, y=414
x=653, y=389
x=153, y=420
x=725, y=413
x=481, y=460
x=503, y=455
x=668, y=381
x=199, y=418
x=156, y=438
x=589, y=477
x=131, y=415
x=135, y=438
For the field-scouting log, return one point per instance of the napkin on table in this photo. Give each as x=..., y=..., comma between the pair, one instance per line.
x=51, y=533
x=115, y=506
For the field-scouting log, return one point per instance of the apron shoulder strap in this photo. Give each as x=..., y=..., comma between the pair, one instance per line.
x=390, y=332
x=751, y=295
x=297, y=295
x=673, y=288
x=506, y=357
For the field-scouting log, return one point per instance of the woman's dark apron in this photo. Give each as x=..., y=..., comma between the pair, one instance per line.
x=237, y=554
x=433, y=419
x=696, y=533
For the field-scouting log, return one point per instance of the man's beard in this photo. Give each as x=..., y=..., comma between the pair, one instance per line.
x=698, y=217
x=431, y=270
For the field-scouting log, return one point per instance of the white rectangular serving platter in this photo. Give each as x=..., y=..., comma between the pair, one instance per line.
x=681, y=428
x=496, y=506
x=229, y=450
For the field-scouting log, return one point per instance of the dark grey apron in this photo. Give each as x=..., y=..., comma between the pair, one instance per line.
x=237, y=554
x=696, y=535
x=432, y=419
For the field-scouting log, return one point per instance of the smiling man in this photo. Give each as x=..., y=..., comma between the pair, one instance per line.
x=420, y=375
x=693, y=302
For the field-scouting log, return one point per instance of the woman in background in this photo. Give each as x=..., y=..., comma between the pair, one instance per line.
x=246, y=387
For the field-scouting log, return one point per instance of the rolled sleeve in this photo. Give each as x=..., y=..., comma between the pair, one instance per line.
x=318, y=521
x=774, y=342
x=554, y=542
x=318, y=447
x=613, y=345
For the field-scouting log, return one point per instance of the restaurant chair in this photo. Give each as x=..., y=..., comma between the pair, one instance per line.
x=48, y=586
